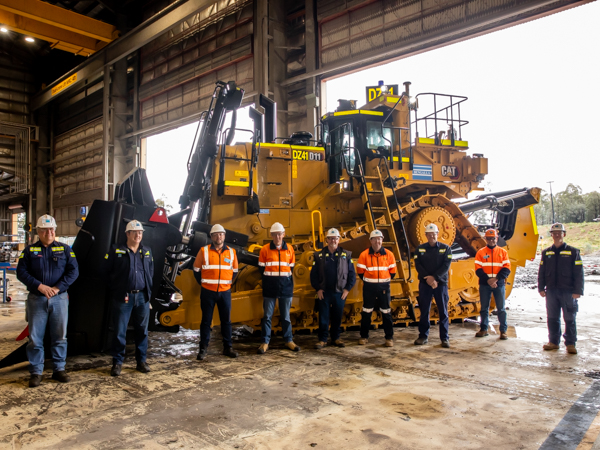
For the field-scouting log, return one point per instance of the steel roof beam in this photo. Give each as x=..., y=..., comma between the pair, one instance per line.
x=59, y=38
x=61, y=18
x=129, y=43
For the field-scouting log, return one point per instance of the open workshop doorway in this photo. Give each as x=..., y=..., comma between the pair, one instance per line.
x=166, y=157
x=532, y=95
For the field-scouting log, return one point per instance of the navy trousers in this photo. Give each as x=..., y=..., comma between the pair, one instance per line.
x=208, y=300
x=440, y=294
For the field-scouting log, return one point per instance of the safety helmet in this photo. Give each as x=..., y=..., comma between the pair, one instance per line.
x=134, y=225
x=333, y=232
x=46, y=221
x=277, y=228
x=217, y=229
x=431, y=228
x=491, y=233
x=557, y=227
x=376, y=234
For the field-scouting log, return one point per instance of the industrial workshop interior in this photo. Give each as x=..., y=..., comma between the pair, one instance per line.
x=269, y=224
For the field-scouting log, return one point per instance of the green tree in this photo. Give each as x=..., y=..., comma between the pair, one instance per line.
x=161, y=201
x=570, y=205
x=592, y=205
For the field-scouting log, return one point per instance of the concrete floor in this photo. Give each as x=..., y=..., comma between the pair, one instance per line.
x=481, y=393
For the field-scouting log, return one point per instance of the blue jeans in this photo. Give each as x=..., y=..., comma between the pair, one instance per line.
x=440, y=294
x=485, y=294
x=138, y=309
x=557, y=300
x=331, y=307
x=208, y=300
x=52, y=313
x=284, y=317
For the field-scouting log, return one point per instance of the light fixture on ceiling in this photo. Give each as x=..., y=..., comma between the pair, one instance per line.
x=3, y=29
x=29, y=39
x=15, y=206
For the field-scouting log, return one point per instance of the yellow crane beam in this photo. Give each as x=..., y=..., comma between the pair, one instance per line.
x=61, y=18
x=59, y=38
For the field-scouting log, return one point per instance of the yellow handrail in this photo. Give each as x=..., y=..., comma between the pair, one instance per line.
x=321, y=232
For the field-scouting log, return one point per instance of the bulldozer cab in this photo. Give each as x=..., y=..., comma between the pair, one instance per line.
x=352, y=134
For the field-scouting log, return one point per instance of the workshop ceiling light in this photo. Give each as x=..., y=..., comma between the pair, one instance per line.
x=4, y=29
x=29, y=39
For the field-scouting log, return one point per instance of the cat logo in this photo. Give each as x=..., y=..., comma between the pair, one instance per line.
x=450, y=171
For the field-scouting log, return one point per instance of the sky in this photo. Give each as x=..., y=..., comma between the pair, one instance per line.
x=533, y=103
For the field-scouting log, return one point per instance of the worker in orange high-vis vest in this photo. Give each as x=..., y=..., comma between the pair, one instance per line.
x=215, y=269
x=492, y=266
x=376, y=267
x=276, y=263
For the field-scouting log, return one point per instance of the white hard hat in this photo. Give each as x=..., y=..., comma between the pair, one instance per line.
x=431, y=228
x=558, y=227
x=217, y=229
x=46, y=221
x=277, y=228
x=376, y=234
x=134, y=225
x=333, y=232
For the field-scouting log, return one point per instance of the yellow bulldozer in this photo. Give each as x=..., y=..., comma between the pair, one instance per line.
x=381, y=166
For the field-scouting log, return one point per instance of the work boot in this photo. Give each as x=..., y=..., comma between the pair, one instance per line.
x=421, y=340
x=446, y=344
x=503, y=335
x=319, y=345
x=389, y=343
x=142, y=367
x=571, y=349
x=262, y=349
x=116, y=370
x=363, y=341
x=293, y=347
x=339, y=343
x=202, y=354
x=35, y=380
x=61, y=376
x=482, y=333
x=551, y=346
x=228, y=351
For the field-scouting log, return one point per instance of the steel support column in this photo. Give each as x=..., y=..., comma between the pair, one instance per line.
x=312, y=93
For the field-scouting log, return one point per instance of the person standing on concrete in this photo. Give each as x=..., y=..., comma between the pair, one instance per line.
x=560, y=281
x=376, y=267
x=215, y=269
x=332, y=276
x=47, y=268
x=492, y=266
x=432, y=261
x=276, y=262
x=130, y=268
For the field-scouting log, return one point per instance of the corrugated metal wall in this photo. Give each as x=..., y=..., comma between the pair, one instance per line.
x=78, y=173
x=16, y=87
x=351, y=30
x=179, y=70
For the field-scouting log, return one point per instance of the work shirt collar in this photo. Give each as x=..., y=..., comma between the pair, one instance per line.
x=437, y=244
x=492, y=247
x=39, y=244
x=381, y=251
x=212, y=247
x=283, y=246
x=562, y=247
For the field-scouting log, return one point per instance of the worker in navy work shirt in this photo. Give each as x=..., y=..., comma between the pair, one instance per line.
x=131, y=268
x=332, y=276
x=47, y=268
x=432, y=261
